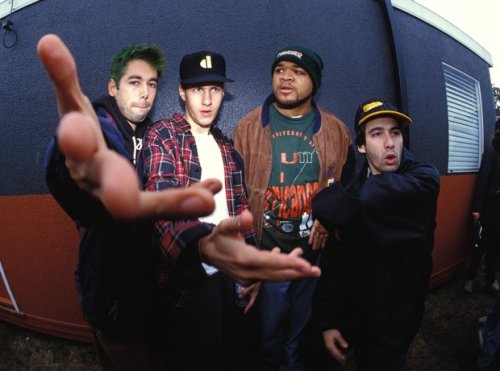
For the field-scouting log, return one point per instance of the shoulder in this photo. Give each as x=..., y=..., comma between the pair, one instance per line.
x=331, y=125
x=248, y=121
x=411, y=165
x=164, y=128
x=329, y=118
x=221, y=136
x=251, y=117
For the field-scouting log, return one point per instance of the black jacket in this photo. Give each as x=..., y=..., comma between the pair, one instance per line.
x=487, y=193
x=383, y=262
x=116, y=267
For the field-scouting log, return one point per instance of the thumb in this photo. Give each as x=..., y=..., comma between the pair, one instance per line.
x=236, y=224
x=246, y=220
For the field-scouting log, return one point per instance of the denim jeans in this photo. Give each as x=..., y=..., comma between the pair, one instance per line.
x=285, y=308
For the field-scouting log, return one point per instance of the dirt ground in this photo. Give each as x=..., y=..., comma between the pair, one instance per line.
x=447, y=340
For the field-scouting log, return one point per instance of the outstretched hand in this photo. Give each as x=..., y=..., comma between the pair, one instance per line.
x=226, y=249
x=99, y=170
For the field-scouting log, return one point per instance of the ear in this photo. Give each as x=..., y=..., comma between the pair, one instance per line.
x=112, y=88
x=182, y=93
x=362, y=149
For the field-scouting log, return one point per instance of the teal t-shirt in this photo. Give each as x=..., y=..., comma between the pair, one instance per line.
x=294, y=173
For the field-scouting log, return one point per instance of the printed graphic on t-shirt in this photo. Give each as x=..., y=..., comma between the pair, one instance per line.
x=294, y=175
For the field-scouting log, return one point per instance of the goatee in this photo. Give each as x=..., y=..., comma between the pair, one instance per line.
x=292, y=105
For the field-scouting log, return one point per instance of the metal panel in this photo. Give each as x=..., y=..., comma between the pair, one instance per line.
x=465, y=121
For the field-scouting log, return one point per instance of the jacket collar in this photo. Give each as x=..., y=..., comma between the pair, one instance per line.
x=271, y=99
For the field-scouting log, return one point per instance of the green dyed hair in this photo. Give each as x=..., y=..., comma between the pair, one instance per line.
x=149, y=53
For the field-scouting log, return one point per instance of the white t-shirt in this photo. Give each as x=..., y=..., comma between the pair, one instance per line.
x=212, y=166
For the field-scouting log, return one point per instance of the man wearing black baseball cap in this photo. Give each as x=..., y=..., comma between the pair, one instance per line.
x=370, y=297
x=206, y=328
x=291, y=149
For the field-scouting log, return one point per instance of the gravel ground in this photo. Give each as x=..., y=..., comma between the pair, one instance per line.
x=447, y=340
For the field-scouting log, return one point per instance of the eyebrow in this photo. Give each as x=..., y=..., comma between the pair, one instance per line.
x=376, y=128
x=138, y=77
x=397, y=127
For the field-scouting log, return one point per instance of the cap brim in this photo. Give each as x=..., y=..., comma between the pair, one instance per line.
x=206, y=79
x=402, y=118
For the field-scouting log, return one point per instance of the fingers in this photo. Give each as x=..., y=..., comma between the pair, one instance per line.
x=337, y=354
x=112, y=178
x=61, y=68
x=76, y=138
x=213, y=185
x=277, y=250
x=236, y=225
x=119, y=186
x=295, y=252
x=78, y=141
x=246, y=220
x=253, y=292
x=176, y=203
x=282, y=267
x=335, y=344
x=318, y=237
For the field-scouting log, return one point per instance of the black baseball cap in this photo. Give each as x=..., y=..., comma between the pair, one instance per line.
x=203, y=67
x=376, y=108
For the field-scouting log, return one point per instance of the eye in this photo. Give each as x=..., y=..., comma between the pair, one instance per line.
x=153, y=84
x=216, y=89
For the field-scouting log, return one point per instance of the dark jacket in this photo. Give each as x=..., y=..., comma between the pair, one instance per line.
x=487, y=193
x=382, y=264
x=116, y=266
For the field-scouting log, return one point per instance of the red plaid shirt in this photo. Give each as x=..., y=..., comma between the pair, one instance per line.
x=170, y=160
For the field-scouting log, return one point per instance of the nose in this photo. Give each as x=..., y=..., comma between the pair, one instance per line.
x=144, y=92
x=389, y=140
x=286, y=75
x=206, y=98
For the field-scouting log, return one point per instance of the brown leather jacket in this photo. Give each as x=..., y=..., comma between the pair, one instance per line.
x=252, y=141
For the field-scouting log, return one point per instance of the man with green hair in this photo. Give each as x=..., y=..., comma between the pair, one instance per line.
x=135, y=71
x=115, y=274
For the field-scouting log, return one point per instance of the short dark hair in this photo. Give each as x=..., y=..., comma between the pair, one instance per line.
x=149, y=53
x=360, y=137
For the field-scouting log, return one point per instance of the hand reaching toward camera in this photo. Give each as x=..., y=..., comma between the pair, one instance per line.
x=226, y=249
x=99, y=170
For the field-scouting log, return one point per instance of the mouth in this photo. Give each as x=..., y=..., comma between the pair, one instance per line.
x=285, y=89
x=390, y=158
x=141, y=105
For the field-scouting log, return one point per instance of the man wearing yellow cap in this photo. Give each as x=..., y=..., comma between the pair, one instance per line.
x=375, y=278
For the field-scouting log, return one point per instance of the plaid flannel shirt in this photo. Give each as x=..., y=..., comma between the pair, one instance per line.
x=170, y=160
